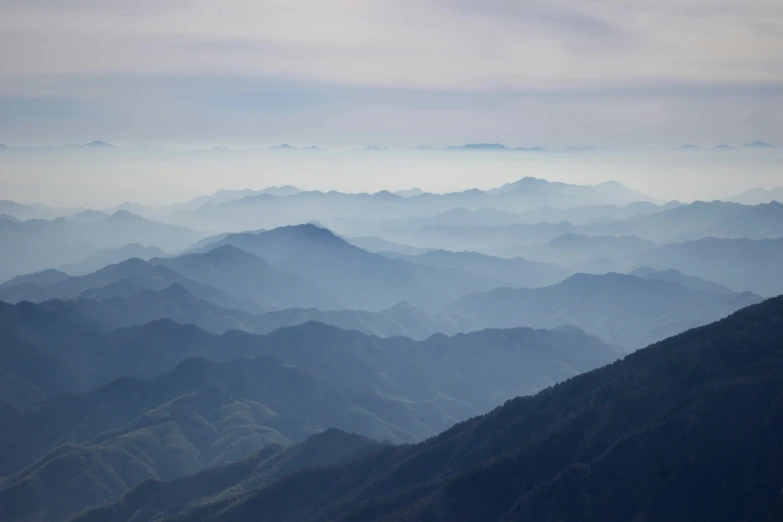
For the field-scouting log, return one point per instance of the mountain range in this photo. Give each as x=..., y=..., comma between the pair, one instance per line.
x=682, y=430
x=179, y=305
x=623, y=309
x=534, y=351
x=64, y=452
x=270, y=211
x=759, y=196
x=39, y=244
x=356, y=278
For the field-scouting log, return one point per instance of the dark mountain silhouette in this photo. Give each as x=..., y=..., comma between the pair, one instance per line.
x=239, y=273
x=179, y=305
x=695, y=283
x=623, y=309
x=685, y=429
x=759, y=145
x=740, y=264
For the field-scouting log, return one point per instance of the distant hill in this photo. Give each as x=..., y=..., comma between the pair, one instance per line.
x=486, y=216
x=88, y=215
x=378, y=245
x=42, y=278
x=101, y=258
x=24, y=211
x=692, y=282
x=578, y=252
x=682, y=430
x=516, y=271
x=284, y=190
x=611, y=192
x=270, y=211
x=702, y=219
x=179, y=305
x=623, y=309
x=479, y=146
x=35, y=337
x=489, y=240
x=36, y=245
x=356, y=278
x=118, y=280
x=759, y=196
x=415, y=191
x=594, y=214
x=740, y=264
x=245, y=275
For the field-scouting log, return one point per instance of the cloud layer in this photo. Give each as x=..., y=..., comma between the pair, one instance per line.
x=392, y=71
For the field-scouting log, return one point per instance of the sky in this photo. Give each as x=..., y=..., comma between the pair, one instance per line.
x=399, y=73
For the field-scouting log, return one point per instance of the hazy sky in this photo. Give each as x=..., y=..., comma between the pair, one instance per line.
x=392, y=72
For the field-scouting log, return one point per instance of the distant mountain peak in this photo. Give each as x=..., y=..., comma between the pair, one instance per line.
x=759, y=145
x=415, y=191
x=99, y=144
x=283, y=190
x=314, y=229
x=224, y=250
x=402, y=305
x=125, y=216
x=177, y=289
x=480, y=146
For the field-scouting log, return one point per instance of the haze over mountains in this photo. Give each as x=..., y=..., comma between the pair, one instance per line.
x=660, y=416
x=382, y=261
x=197, y=361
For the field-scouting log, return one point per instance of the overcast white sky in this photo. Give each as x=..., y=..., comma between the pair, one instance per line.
x=392, y=72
